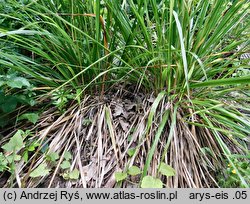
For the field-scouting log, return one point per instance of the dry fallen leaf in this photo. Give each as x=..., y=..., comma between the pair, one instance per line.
x=124, y=125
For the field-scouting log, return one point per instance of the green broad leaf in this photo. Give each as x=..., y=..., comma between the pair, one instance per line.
x=65, y=165
x=120, y=176
x=32, y=117
x=74, y=175
x=151, y=182
x=33, y=146
x=166, y=170
x=3, y=167
x=67, y=155
x=27, y=133
x=13, y=157
x=15, y=143
x=53, y=156
x=25, y=156
x=65, y=176
x=131, y=152
x=41, y=170
x=26, y=99
x=18, y=82
x=134, y=170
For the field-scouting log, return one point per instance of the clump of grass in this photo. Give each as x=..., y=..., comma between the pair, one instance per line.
x=184, y=52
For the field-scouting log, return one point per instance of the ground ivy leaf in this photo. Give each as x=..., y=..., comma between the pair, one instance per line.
x=131, y=152
x=67, y=155
x=134, y=170
x=13, y=157
x=32, y=147
x=65, y=165
x=25, y=156
x=166, y=170
x=65, y=176
x=151, y=182
x=18, y=82
x=15, y=143
x=120, y=176
x=32, y=117
x=53, y=156
x=74, y=175
x=41, y=170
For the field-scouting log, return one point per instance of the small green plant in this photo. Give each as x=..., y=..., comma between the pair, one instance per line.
x=11, y=153
x=44, y=169
x=30, y=147
x=166, y=170
x=72, y=175
x=15, y=90
x=132, y=171
x=12, y=148
x=66, y=162
x=120, y=176
x=32, y=117
x=65, y=166
x=151, y=182
x=52, y=157
x=41, y=170
x=15, y=150
x=147, y=181
x=131, y=152
x=61, y=97
x=231, y=176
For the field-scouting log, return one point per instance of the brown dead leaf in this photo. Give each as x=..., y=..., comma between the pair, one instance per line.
x=118, y=110
x=89, y=171
x=124, y=125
